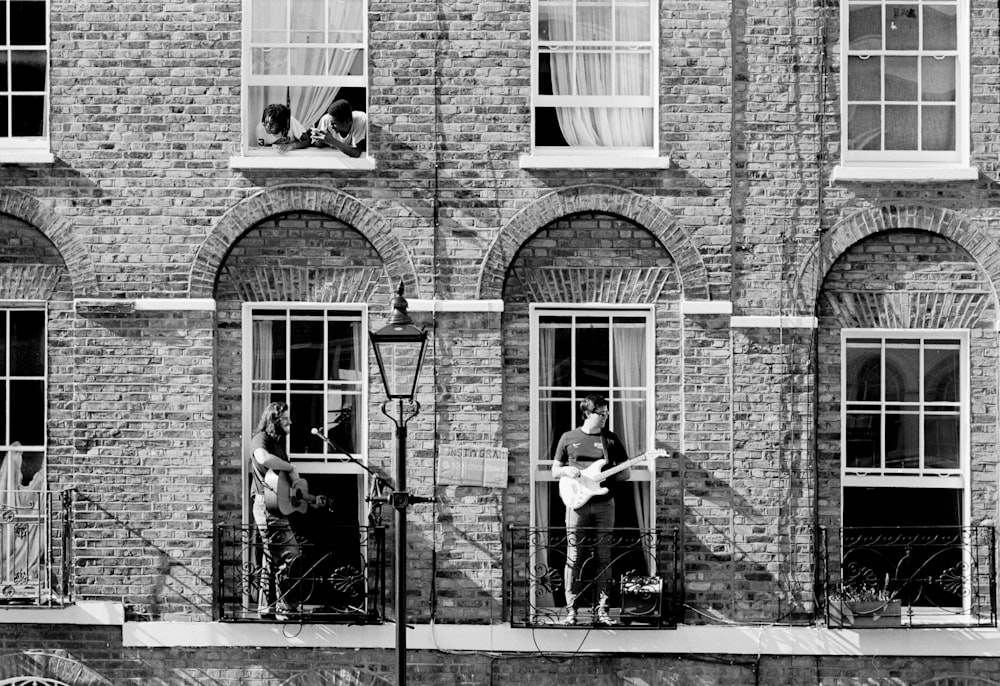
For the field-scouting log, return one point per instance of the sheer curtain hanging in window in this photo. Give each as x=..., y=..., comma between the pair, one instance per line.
x=307, y=103
x=595, y=73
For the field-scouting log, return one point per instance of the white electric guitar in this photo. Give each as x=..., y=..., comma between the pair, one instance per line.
x=575, y=491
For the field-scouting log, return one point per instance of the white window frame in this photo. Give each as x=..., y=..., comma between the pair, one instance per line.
x=310, y=463
x=541, y=466
x=23, y=306
x=253, y=157
x=571, y=157
x=870, y=165
x=29, y=149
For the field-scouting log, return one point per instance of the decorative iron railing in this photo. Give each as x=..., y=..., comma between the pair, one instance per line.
x=642, y=578
x=337, y=577
x=36, y=548
x=909, y=576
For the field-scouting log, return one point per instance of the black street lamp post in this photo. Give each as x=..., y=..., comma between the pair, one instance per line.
x=399, y=350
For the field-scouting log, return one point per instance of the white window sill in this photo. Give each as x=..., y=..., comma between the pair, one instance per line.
x=621, y=160
x=301, y=159
x=96, y=613
x=26, y=157
x=903, y=172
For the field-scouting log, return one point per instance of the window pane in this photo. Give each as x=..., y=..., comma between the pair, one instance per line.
x=306, y=412
x=593, y=76
x=308, y=61
x=270, y=21
x=901, y=127
x=307, y=350
x=555, y=22
x=903, y=23
x=864, y=78
x=941, y=376
x=27, y=19
x=633, y=70
x=592, y=350
x=863, y=437
x=307, y=21
x=27, y=412
x=269, y=350
x=864, y=375
x=937, y=79
x=27, y=351
x=902, y=441
x=346, y=21
x=343, y=360
x=343, y=420
x=941, y=442
x=865, y=28
x=940, y=27
x=3, y=344
x=270, y=61
x=901, y=78
x=3, y=73
x=632, y=22
x=27, y=70
x=593, y=21
x=864, y=127
x=902, y=374
x=28, y=115
x=938, y=128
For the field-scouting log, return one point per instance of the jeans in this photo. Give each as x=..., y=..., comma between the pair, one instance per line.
x=599, y=518
x=280, y=545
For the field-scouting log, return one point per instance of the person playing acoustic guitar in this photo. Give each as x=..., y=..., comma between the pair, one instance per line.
x=577, y=450
x=268, y=455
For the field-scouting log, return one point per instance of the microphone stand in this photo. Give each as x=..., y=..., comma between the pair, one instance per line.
x=379, y=485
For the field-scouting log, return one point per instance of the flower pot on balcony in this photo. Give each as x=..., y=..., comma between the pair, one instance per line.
x=865, y=613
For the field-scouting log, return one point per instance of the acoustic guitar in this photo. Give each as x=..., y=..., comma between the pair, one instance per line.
x=576, y=492
x=282, y=496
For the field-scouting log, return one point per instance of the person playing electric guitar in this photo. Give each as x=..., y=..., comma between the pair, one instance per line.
x=269, y=459
x=576, y=450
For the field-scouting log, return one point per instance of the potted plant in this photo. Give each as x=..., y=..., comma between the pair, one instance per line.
x=864, y=604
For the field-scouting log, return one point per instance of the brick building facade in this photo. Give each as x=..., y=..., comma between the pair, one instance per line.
x=800, y=317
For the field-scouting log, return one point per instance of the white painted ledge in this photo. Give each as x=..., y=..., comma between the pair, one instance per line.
x=302, y=159
x=730, y=640
x=27, y=157
x=620, y=160
x=434, y=305
x=917, y=173
x=147, y=304
x=84, y=612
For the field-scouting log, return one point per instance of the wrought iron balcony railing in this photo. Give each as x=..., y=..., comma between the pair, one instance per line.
x=36, y=548
x=337, y=577
x=642, y=578
x=909, y=576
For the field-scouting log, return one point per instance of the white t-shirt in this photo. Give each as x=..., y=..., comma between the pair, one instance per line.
x=295, y=132
x=358, y=132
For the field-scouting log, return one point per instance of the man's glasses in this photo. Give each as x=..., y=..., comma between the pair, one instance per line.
x=603, y=413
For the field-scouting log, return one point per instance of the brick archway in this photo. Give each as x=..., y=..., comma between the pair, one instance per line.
x=59, y=231
x=300, y=198
x=38, y=668
x=594, y=198
x=840, y=238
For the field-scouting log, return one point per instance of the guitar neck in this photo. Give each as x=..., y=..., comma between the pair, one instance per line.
x=619, y=467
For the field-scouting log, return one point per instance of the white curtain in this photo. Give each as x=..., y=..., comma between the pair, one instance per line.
x=594, y=73
x=543, y=489
x=305, y=19
x=20, y=552
x=263, y=361
x=629, y=345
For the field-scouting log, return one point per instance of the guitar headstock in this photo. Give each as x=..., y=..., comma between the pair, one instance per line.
x=650, y=457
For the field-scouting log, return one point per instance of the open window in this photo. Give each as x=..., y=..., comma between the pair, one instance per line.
x=24, y=82
x=905, y=91
x=24, y=514
x=595, y=83
x=905, y=468
x=576, y=352
x=304, y=55
x=314, y=359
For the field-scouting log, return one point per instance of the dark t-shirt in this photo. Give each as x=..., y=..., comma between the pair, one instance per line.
x=581, y=450
x=275, y=446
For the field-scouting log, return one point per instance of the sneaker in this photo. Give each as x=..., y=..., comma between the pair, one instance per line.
x=604, y=619
x=570, y=618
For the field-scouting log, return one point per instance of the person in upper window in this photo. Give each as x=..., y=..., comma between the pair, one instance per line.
x=278, y=127
x=343, y=129
x=577, y=450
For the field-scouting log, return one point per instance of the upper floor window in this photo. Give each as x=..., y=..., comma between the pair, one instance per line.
x=305, y=80
x=24, y=79
x=594, y=78
x=905, y=90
